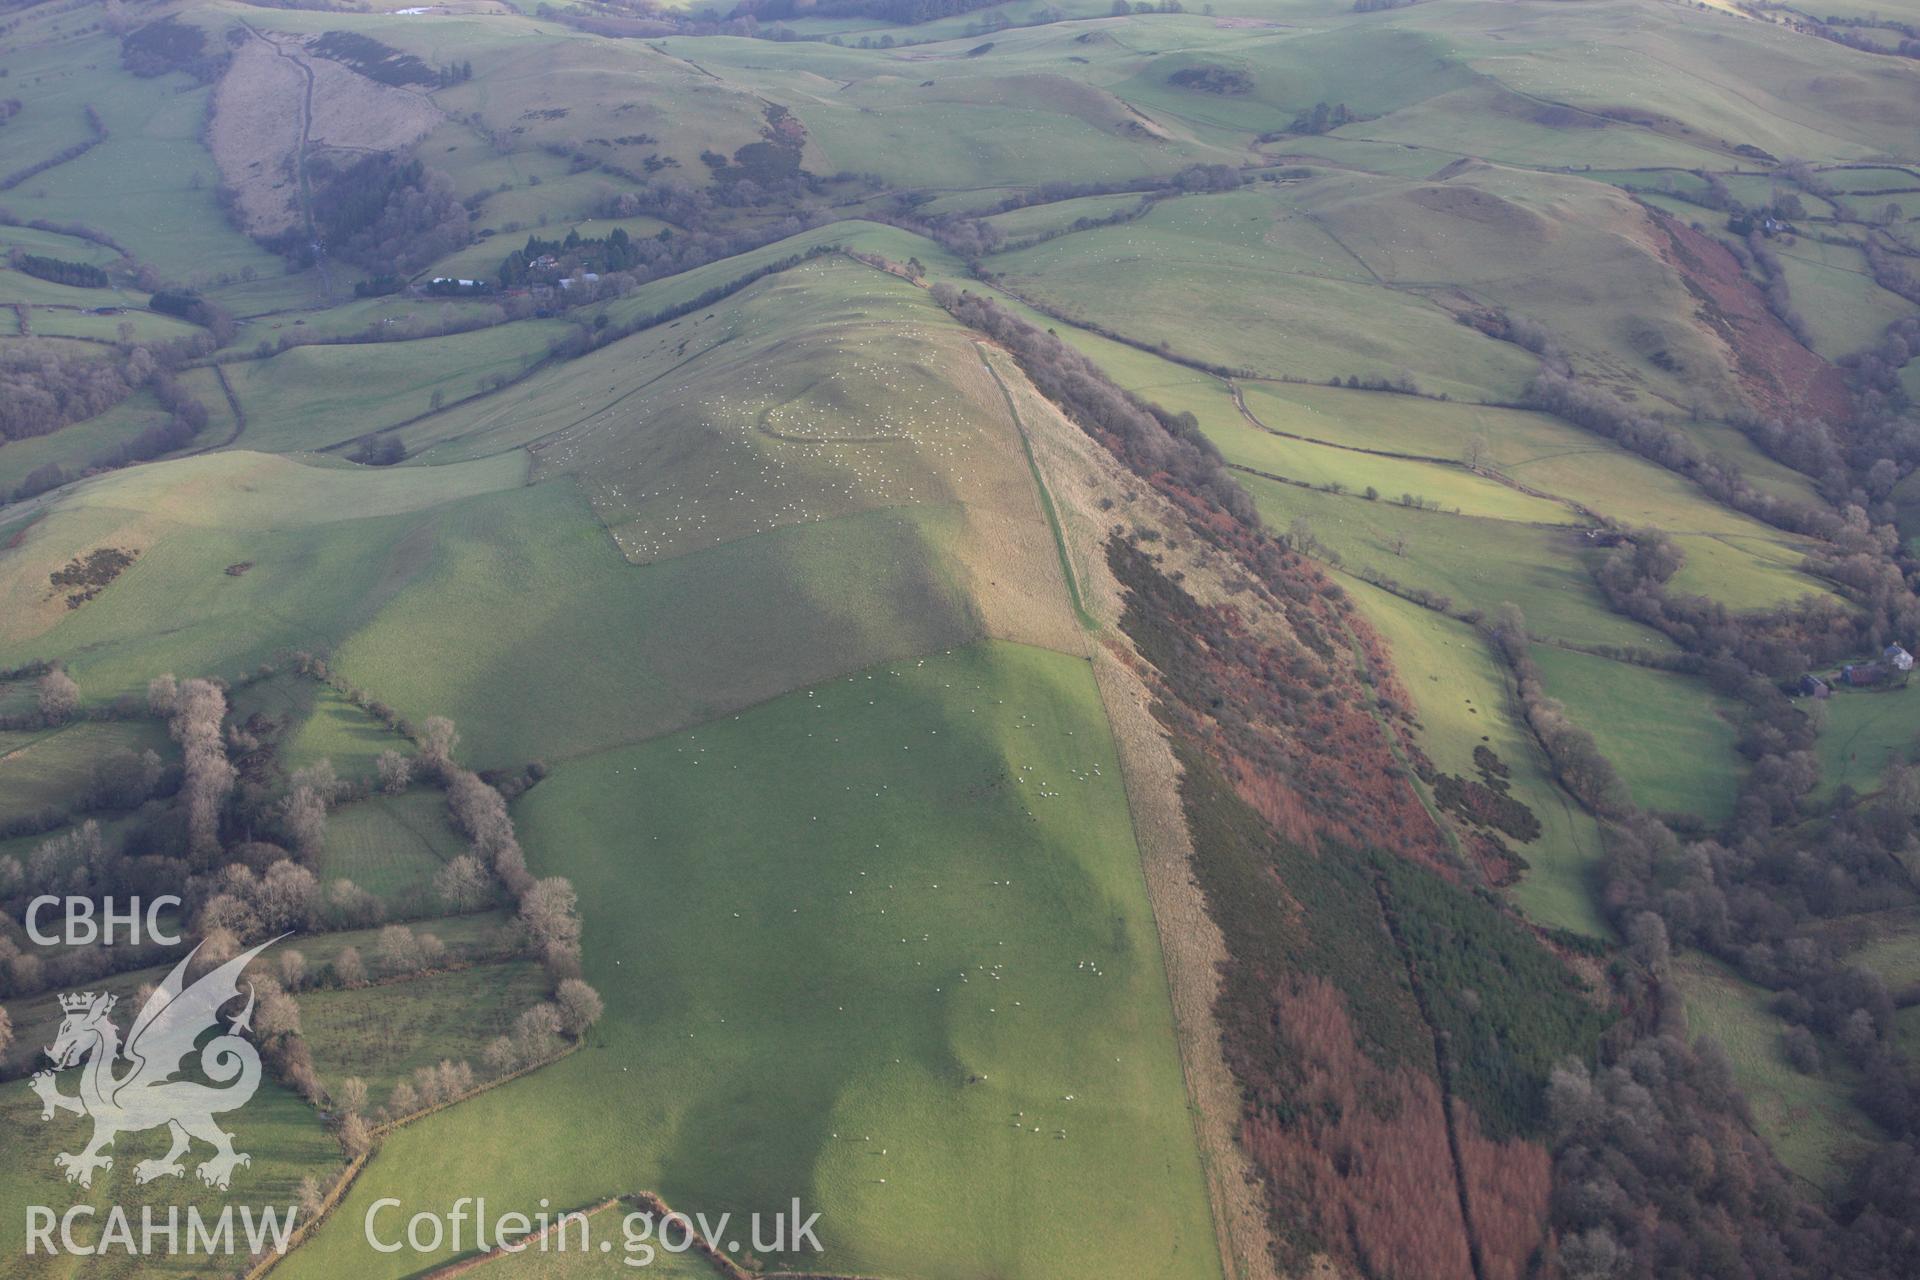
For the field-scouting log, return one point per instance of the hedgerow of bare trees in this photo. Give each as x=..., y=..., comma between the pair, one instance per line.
x=1576, y=757
x=197, y=709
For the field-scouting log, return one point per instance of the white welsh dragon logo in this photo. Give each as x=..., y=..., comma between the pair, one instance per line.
x=147, y=1095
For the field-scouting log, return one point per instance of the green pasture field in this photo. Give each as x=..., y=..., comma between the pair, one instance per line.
x=568, y=394
x=573, y=1263
x=831, y=389
x=1374, y=72
x=66, y=321
x=45, y=767
x=1300, y=308
x=1475, y=563
x=55, y=244
x=860, y=888
x=1807, y=1120
x=392, y=846
x=1025, y=124
x=381, y=1033
x=268, y=292
x=1463, y=696
x=746, y=889
x=1536, y=449
x=552, y=204
x=1668, y=736
x=1487, y=122
x=530, y=580
x=1865, y=730
x=18, y=286
x=310, y=397
x=1520, y=241
x=326, y=547
x=337, y=730
x=1039, y=219
x=604, y=88
x=1746, y=572
x=281, y=1132
x=1894, y=953
x=479, y=169
x=389, y=317
x=1854, y=181
x=317, y=722
x=1449, y=487
x=74, y=447
x=1730, y=557
x=477, y=938
x=1829, y=285
x=1678, y=72
x=151, y=185
x=1765, y=474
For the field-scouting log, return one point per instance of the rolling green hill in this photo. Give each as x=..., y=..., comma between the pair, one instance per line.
x=1130, y=627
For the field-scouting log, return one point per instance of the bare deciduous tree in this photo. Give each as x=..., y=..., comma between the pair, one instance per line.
x=399, y=949
x=348, y=969
x=396, y=771
x=500, y=1056
x=278, y=1014
x=548, y=912
x=228, y=913
x=310, y=1198
x=350, y=1099
x=351, y=907
x=356, y=1136
x=162, y=692
x=438, y=739
x=580, y=1006
x=286, y=898
x=462, y=884
x=321, y=778
x=59, y=696
x=534, y=1032
x=303, y=816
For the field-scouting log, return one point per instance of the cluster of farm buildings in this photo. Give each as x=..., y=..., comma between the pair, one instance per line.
x=1891, y=668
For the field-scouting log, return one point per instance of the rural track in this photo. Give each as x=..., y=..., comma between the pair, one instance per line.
x=233, y=404
x=300, y=153
x=1047, y=504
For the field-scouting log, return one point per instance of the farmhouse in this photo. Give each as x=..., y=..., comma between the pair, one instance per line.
x=1897, y=658
x=1861, y=674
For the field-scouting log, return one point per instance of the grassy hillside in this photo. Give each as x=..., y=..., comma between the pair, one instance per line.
x=1054, y=818
x=1465, y=702
x=846, y=1001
